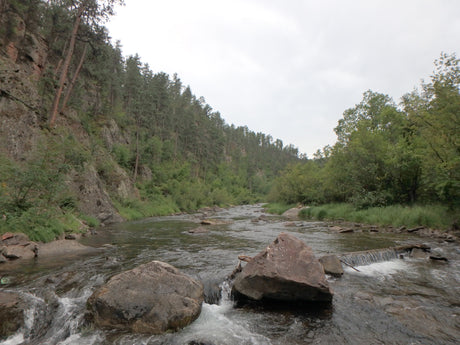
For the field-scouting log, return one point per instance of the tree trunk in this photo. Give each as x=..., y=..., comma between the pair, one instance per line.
x=74, y=79
x=65, y=68
x=136, y=163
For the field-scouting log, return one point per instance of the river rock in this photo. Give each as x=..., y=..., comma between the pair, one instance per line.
x=332, y=265
x=27, y=251
x=152, y=298
x=11, y=315
x=198, y=230
x=286, y=270
x=293, y=213
x=418, y=253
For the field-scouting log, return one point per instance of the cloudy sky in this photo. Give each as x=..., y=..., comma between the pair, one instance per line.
x=290, y=68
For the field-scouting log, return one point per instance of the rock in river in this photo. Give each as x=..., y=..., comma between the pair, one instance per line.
x=11, y=313
x=332, y=265
x=152, y=298
x=286, y=270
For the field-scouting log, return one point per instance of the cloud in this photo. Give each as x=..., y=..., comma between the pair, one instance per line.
x=290, y=69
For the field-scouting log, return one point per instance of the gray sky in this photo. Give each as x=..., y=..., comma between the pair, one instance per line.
x=290, y=68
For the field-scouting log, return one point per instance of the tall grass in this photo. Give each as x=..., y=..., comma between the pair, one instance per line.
x=137, y=209
x=42, y=225
x=432, y=216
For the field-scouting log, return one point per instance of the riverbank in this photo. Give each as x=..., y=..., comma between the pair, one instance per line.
x=425, y=221
x=390, y=218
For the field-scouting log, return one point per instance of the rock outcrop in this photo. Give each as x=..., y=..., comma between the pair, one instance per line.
x=286, y=270
x=152, y=298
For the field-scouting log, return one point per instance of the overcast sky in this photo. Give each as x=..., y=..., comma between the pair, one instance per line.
x=290, y=68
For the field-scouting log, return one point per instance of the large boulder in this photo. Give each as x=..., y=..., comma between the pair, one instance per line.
x=152, y=298
x=11, y=315
x=286, y=270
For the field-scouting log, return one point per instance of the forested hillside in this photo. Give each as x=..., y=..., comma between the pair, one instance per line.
x=389, y=153
x=87, y=134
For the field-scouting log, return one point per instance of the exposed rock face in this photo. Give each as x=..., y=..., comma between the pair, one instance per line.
x=11, y=315
x=286, y=270
x=332, y=265
x=92, y=196
x=152, y=298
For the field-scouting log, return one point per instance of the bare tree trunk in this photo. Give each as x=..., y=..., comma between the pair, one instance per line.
x=74, y=79
x=136, y=164
x=65, y=68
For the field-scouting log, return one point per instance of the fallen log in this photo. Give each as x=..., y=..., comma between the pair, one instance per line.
x=346, y=263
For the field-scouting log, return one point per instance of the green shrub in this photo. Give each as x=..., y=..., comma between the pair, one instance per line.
x=91, y=221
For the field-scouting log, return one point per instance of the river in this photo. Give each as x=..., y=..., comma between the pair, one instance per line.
x=402, y=301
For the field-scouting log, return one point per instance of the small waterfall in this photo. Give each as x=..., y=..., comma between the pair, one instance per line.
x=368, y=257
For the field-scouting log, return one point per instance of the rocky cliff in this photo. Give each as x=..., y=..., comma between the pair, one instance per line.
x=24, y=57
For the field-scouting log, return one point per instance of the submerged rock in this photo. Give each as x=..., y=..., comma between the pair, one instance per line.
x=64, y=248
x=286, y=270
x=152, y=298
x=198, y=230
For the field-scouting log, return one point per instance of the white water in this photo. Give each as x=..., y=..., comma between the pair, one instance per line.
x=380, y=269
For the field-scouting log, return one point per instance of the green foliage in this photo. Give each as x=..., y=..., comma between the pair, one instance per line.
x=433, y=216
x=91, y=221
x=387, y=155
x=137, y=209
x=123, y=156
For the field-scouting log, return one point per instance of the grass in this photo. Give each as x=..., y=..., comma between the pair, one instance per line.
x=138, y=209
x=43, y=225
x=278, y=208
x=432, y=216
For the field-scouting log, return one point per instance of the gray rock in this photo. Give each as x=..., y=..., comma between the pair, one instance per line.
x=152, y=298
x=293, y=213
x=286, y=270
x=332, y=265
x=20, y=251
x=418, y=253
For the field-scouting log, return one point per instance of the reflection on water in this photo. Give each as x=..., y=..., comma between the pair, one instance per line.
x=396, y=302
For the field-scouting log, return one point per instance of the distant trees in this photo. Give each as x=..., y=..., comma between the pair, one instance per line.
x=387, y=154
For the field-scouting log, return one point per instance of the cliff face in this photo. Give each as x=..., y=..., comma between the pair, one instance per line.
x=23, y=122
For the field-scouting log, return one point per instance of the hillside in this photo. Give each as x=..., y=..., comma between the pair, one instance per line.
x=90, y=136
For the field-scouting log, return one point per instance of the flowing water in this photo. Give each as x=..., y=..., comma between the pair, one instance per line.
x=398, y=301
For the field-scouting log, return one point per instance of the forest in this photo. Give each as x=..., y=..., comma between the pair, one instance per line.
x=156, y=148
x=87, y=132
